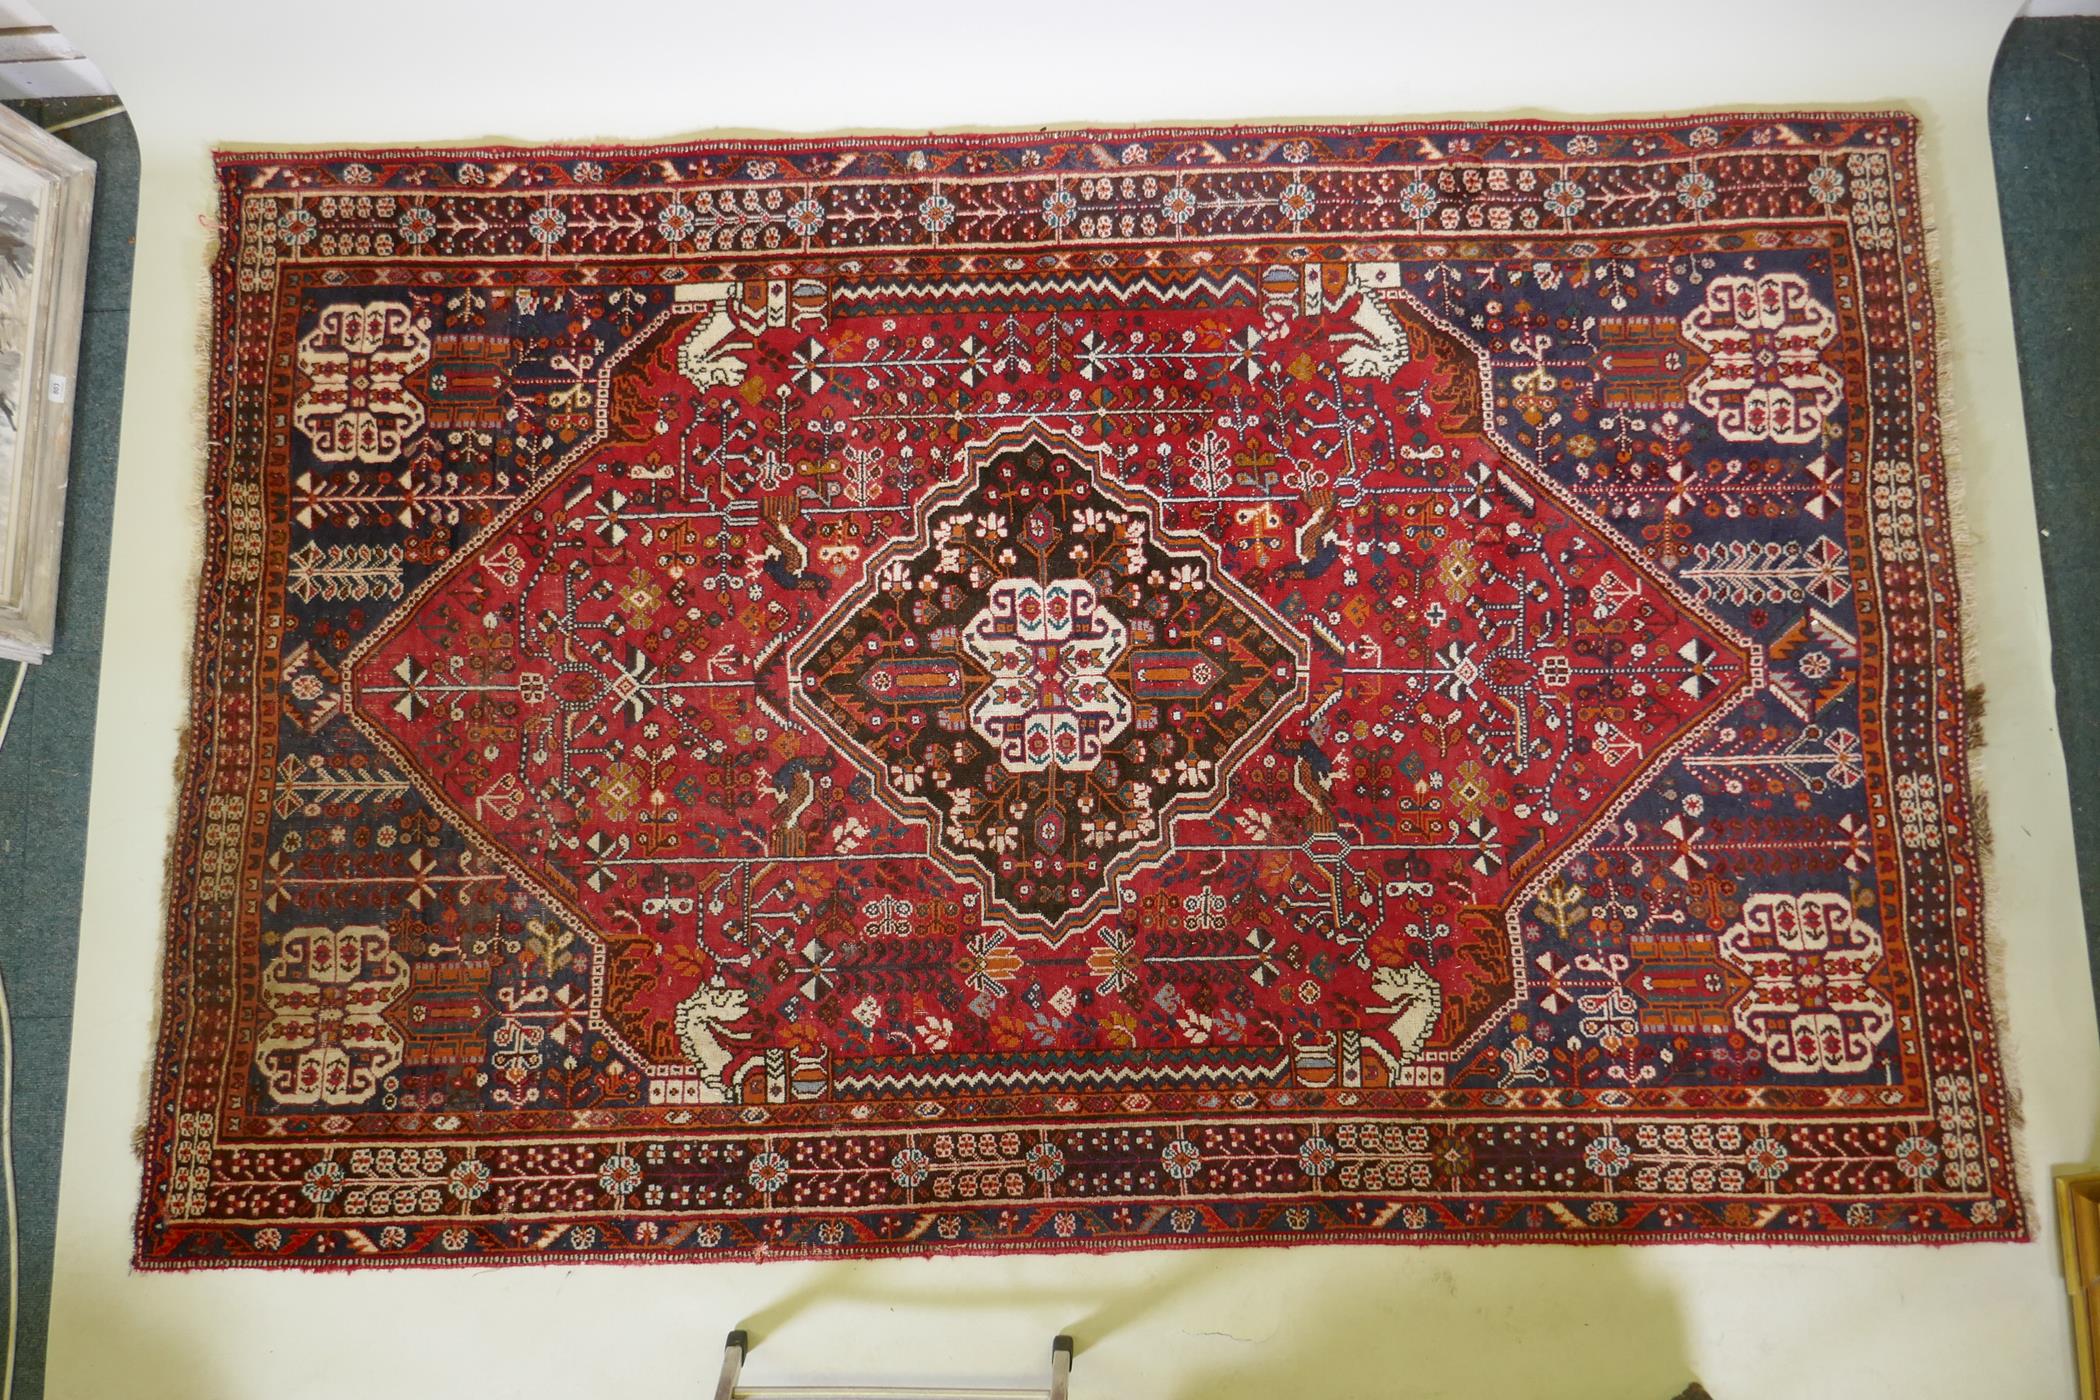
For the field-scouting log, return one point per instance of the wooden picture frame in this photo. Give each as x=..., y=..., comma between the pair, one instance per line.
x=2078, y=1229
x=46, y=191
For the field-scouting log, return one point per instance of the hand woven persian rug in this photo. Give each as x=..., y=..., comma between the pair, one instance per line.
x=1074, y=691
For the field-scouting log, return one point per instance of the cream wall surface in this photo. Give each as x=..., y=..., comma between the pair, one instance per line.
x=1336, y=1321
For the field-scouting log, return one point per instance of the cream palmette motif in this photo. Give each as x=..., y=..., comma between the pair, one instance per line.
x=1765, y=376
x=357, y=406
x=327, y=1039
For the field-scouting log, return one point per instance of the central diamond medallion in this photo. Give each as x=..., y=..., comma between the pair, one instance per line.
x=1047, y=679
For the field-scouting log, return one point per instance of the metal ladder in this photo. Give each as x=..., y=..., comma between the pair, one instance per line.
x=730, y=1386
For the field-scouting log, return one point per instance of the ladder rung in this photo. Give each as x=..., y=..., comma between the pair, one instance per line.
x=730, y=1386
x=883, y=1392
